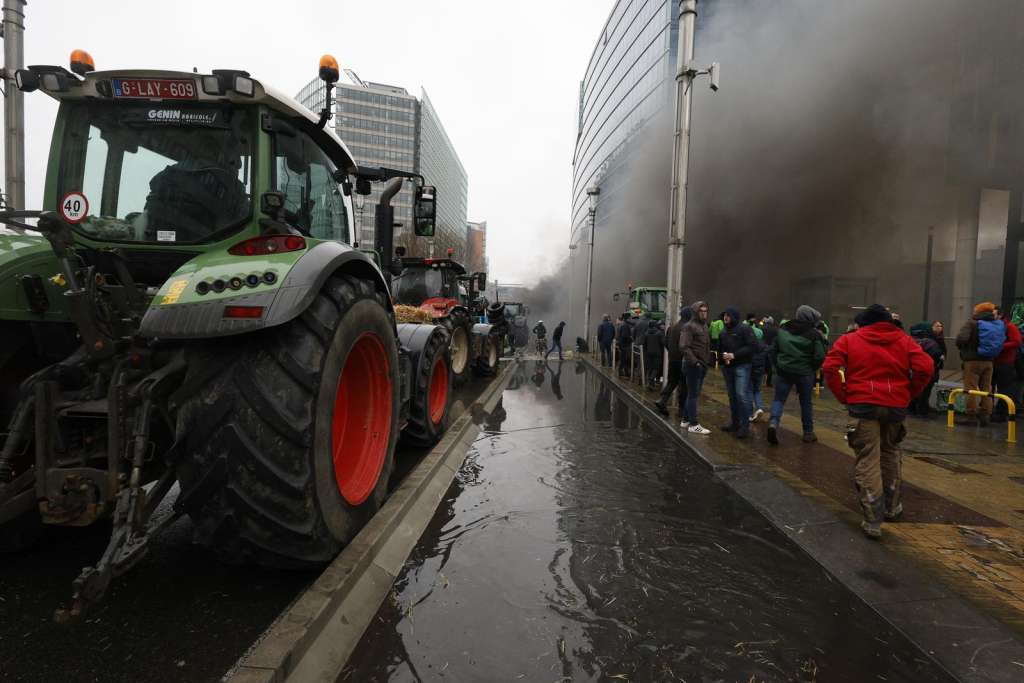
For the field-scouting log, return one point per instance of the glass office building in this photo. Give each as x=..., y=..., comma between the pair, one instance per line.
x=383, y=125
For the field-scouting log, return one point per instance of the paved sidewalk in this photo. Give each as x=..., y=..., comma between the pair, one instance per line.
x=963, y=495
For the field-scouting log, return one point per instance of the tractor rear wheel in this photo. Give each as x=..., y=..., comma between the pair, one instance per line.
x=461, y=328
x=289, y=436
x=428, y=413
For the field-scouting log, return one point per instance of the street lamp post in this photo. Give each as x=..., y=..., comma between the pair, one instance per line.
x=14, y=104
x=592, y=193
x=685, y=75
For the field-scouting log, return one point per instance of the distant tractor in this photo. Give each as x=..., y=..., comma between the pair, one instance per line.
x=643, y=299
x=513, y=314
x=441, y=288
x=188, y=313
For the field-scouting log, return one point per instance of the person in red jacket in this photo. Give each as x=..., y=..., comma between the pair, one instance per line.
x=1004, y=368
x=884, y=369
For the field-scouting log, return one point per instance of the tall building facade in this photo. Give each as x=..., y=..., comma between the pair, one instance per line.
x=384, y=125
x=476, y=246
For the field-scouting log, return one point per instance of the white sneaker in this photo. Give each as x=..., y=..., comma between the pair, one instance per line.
x=697, y=429
x=684, y=424
x=757, y=414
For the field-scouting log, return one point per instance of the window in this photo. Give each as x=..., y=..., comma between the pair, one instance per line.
x=313, y=200
x=156, y=174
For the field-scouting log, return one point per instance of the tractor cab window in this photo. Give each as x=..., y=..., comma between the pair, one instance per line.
x=152, y=173
x=653, y=301
x=305, y=175
x=415, y=286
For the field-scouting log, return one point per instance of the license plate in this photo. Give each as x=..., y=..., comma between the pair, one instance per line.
x=154, y=88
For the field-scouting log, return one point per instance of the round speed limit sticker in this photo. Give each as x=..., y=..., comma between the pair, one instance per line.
x=74, y=207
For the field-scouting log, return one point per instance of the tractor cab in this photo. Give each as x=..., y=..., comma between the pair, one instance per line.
x=642, y=299
x=437, y=285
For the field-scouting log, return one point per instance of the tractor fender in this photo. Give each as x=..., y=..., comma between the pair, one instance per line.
x=297, y=290
x=482, y=329
x=413, y=337
x=311, y=271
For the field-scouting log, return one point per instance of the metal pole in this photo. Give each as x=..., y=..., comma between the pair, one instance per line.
x=928, y=274
x=680, y=156
x=590, y=274
x=14, y=104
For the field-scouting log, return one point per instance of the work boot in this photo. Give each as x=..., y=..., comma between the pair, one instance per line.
x=742, y=433
x=773, y=434
x=661, y=408
x=728, y=428
x=874, y=513
x=810, y=437
x=983, y=420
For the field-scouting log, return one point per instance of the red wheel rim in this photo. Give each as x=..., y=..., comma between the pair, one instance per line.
x=362, y=419
x=437, y=396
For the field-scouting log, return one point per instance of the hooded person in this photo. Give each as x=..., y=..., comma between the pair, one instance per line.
x=737, y=347
x=797, y=351
x=695, y=349
x=674, y=378
x=556, y=341
x=654, y=349
x=623, y=342
x=884, y=368
x=757, y=367
x=980, y=340
x=925, y=338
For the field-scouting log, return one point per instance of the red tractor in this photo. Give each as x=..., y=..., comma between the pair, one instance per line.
x=441, y=288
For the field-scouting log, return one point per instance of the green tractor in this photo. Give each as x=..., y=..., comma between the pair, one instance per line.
x=640, y=300
x=188, y=309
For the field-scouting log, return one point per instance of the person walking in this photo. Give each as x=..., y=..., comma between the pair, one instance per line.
x=980, y=340
x=1004, y=368
x=771, y=330
x=737, y=346
x=797, y=351
x=695, y=348
x=884, y=369
x=556, y=341
x=925, y=338
x=605, y=339
x=757, y=368
x=624, y=341
x=675, y=380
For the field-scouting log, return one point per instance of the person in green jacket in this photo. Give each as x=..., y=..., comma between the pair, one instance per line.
x=796, y=352
x=715, y=328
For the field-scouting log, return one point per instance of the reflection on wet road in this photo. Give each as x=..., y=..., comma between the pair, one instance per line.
x=578, y=543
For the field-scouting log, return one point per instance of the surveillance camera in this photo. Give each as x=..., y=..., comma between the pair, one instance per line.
x=715, y=74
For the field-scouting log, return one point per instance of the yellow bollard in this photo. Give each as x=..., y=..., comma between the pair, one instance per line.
x=1011, y=410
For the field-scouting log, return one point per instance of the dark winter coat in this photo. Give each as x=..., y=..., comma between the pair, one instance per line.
x=695, y=339
x=640, y=330
x=557, y=336
x=883, y=367
x=624, y=335
x=798, y=349
x=654, y=341
x=675, y=355
x=605, y=333
x=738, y=339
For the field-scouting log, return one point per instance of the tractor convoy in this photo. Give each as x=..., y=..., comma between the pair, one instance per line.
x=189, y=309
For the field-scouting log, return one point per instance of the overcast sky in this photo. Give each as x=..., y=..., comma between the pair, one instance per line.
x=504, y=77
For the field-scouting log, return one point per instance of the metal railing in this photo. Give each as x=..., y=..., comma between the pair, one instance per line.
x=1011, y=409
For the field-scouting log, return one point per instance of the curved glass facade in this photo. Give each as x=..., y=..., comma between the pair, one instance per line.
x=629, y=80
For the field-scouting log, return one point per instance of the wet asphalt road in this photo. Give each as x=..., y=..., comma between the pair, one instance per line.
x=577, y=543
x=179, y=616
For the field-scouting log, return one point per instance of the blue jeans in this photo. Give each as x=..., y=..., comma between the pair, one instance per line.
x=555, y=344
x=756, y=380
x=804, y=386
x=737, y=383
x=694, y=382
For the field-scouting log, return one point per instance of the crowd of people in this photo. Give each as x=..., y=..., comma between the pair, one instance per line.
x=879, y=370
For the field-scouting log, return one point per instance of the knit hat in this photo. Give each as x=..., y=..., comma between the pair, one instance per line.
x=875, y=313
x=807, y=314
x=984, y=307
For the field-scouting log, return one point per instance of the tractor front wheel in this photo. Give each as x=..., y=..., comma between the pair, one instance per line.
x=289, y=434
x=461, y=328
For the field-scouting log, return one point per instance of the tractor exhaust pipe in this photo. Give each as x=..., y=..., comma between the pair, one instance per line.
x=384, y=225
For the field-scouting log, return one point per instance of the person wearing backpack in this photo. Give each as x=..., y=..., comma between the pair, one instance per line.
x=1004, y=368
x=980, y=340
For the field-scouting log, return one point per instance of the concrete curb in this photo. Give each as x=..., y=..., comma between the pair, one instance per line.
x=948, y=629
x=313, y=638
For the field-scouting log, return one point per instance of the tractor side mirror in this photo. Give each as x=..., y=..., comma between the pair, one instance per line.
x=363, y=186
x=272, y=203
x=425, y=210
